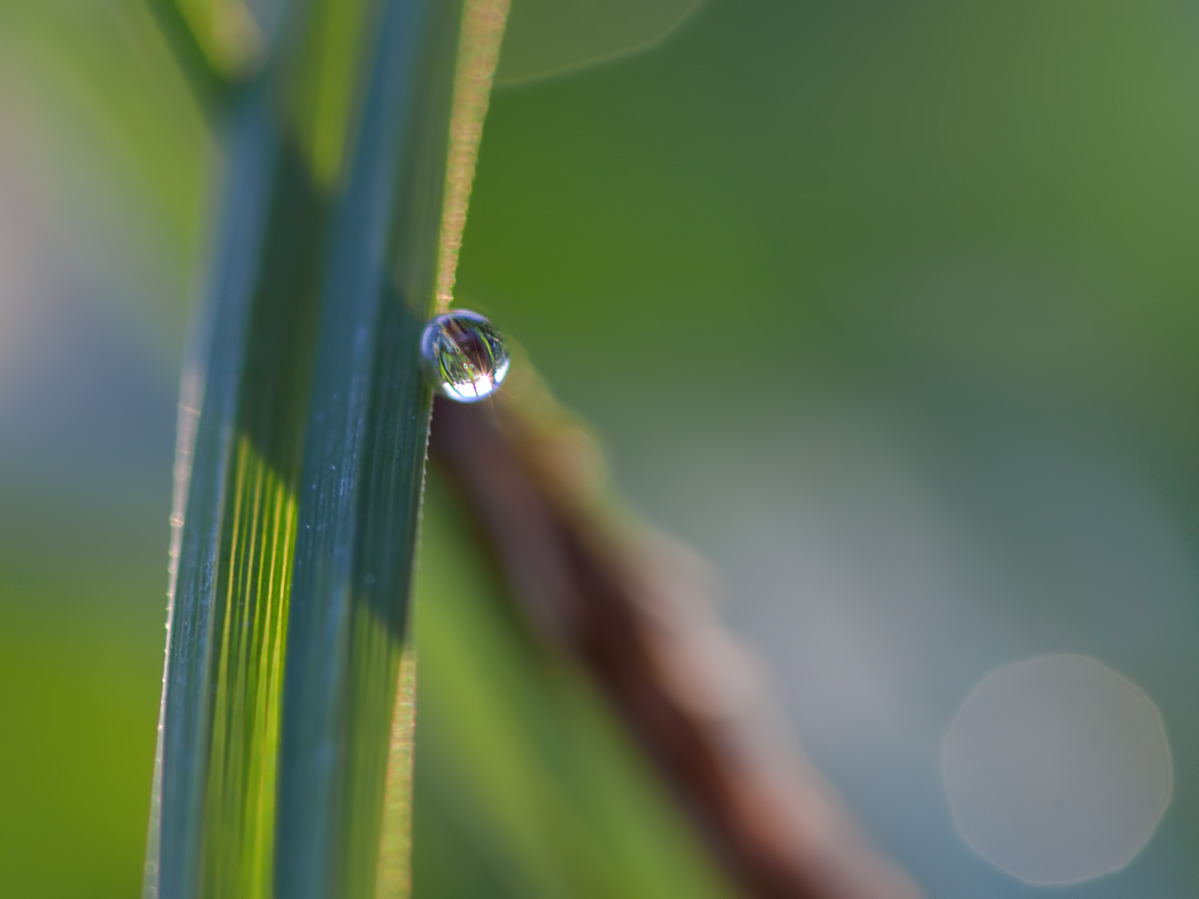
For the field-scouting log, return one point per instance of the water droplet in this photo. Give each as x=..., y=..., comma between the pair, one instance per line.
x=464, y=355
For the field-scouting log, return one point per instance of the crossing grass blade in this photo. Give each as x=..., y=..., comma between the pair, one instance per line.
x=303, y=425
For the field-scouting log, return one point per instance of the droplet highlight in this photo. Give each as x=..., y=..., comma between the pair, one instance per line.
x=464, y=355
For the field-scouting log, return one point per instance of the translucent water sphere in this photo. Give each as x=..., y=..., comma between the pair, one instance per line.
x=464, y=355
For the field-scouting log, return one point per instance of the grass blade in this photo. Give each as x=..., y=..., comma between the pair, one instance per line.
x=362, y=478
x=301, y=456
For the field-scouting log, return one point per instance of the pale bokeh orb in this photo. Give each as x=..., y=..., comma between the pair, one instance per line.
x=1057, y=769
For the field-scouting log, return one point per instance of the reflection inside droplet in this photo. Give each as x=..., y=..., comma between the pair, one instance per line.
x=465, y=355
x=1057, y=769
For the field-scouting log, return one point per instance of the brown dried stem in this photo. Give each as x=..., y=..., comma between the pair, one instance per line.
x=634, y=616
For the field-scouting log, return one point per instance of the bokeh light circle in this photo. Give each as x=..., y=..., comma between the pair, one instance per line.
x=1057, y=769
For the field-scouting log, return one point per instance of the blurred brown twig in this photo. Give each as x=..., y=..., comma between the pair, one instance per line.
x=627, y=606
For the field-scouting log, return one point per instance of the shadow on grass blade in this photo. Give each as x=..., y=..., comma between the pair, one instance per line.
x=303, y=428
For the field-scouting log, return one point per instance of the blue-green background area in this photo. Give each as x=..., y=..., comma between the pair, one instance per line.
x=889, y=310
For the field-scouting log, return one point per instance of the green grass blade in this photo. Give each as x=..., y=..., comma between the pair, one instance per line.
x=302, y=441
x=210, y=85
x=363, y=472
x=209, y=419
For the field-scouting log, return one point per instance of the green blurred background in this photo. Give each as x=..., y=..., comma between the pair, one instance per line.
x=888, y=309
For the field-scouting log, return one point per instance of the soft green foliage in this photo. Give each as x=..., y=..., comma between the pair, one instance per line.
x=526, y=785
x=79, y=668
